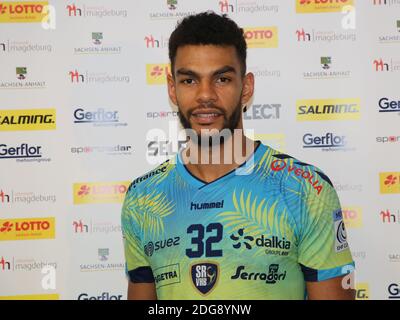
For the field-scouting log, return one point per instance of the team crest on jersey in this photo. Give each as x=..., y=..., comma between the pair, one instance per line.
x=204, y=276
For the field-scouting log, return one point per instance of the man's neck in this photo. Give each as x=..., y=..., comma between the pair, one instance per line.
x=213, y=162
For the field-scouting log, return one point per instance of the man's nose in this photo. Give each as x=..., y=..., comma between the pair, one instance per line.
x=206, y=93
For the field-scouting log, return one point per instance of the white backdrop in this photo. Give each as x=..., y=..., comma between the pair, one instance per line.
x=93, y=73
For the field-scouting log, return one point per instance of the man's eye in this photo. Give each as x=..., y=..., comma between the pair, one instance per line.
x=223, y=80
x=188, y=81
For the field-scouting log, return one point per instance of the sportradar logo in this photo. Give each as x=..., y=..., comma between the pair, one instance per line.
x=27, y=119
x=328, y=109
x=389, y=182
x=27, y=229
x=102, y=192
x=322, y=6
x=20, y=12
x=261, y=37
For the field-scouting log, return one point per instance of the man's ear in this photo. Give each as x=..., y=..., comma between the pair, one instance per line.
x=171, y=89
x=248, y=88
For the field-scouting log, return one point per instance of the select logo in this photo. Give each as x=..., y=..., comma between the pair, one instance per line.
x=19, y=12
x=102, y=192
x=27, y=119
x=322, y=6
x=261, y=37
x=328, y=109
x=27, y=229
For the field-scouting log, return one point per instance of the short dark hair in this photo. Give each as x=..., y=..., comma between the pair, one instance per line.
x=208, y=28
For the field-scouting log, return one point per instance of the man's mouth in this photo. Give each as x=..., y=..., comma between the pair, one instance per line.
x=206, y=117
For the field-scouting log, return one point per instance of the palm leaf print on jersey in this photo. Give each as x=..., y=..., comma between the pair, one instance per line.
x=256, y=218
x=155, y=207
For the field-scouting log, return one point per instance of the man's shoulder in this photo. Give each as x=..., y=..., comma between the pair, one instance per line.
x=294, y=174
x=153, y=177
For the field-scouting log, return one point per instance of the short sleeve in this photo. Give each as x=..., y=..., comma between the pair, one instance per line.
x=137, y=265
x=324, y=252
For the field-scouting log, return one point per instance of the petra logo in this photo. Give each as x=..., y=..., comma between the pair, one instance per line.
x=4, y=265
x=80, y=227
x=151, y=42
x=4, y=197
x=225, y=7
x=73, y=10
x=389, y=217
x=84, y=191
x=302, y=35
x=280, y=164
x=76, y=76
x=380, y=65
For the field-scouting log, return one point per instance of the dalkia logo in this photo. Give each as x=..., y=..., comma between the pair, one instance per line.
x=272, y=275
x=321, y=6
x=328, y=109
x=204, y=276
x=326, y=73
x=27, y=119
x=352, y=217
x=261, y=37
x=17, y=197
x=102, y=192
x=99, y=118
x=27, y=229
x=157, y=73
x=22, y=81
x=96, y=77
x=26, y=11
x=97, y=47
x=388, y=65
x=389, y=182
x=23, y=153
x=95, y=12
x=273, y=245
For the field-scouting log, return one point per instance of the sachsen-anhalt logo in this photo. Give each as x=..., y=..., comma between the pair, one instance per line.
x=204, y=276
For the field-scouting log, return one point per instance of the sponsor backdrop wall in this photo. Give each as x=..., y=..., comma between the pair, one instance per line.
x=83, y=86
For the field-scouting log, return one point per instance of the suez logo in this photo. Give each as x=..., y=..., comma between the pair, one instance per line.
x=102, y=296
x=151, y=247
x=99, y=118
x=273, y=245
x=262, y=111
x=27, y=11
x=261, y=37
x=27, y=229
x=389, y=182
x=102, y=192
x=27, y=119
x=271, y=276
x=320, y=6
x=328, y=109
x=387, y=105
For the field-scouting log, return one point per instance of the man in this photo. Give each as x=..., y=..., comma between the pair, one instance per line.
x=264, y=227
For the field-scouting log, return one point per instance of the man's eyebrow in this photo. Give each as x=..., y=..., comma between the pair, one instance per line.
x=188, y=72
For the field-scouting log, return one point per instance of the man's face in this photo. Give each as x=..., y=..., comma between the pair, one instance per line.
x=208, y=87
